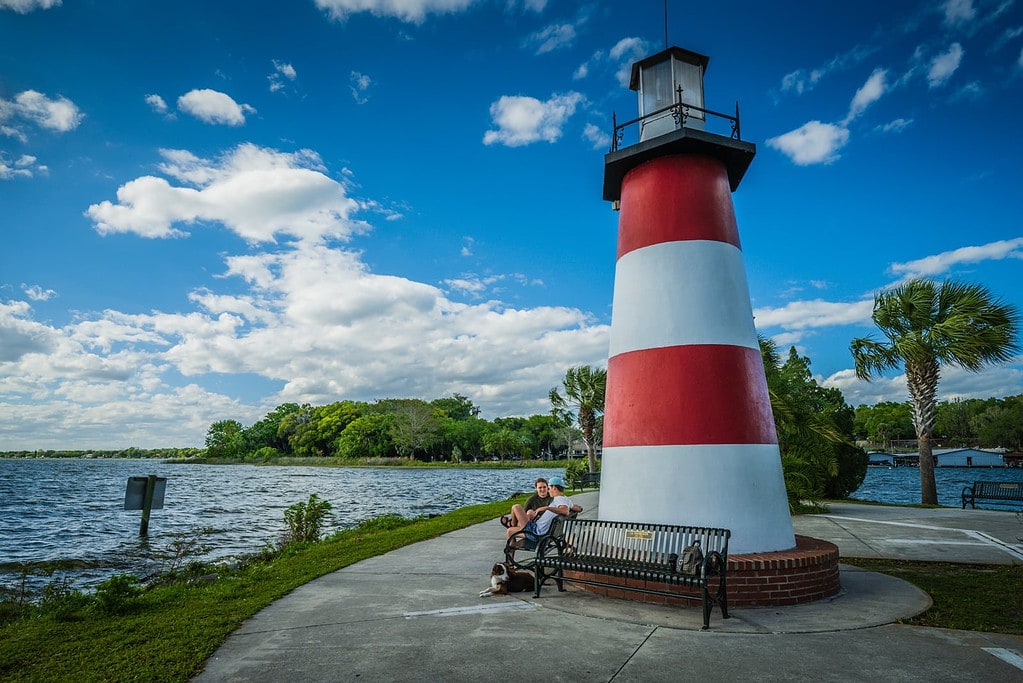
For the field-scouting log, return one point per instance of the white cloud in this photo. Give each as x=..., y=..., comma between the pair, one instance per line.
x=958, y=12
x=581, y=72
x=944, y=65
x=812, y=143
x=309, y=319
x=57, y=114
x=156, y=103
x=26, y=6
x=37, y=293
x=626, y=52
x=597, y=137
x=21, y=336
x=411, y=11
x=360, y=84
x=258, y=193
x=939, y=264
x=212, y=106
x=803, y=315
x=524, y=120
x=552, y=38
x=955, y=383
x=24, y=166
x=282, y=72
x=869, y=92
x=896, y=125
x=805, y=80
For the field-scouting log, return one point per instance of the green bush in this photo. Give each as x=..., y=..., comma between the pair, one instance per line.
x=575, y=469
x=118, y=595
x=305, y=520
x=852, y=470
x=62, y=601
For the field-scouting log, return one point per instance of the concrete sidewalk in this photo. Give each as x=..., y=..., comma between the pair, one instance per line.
x=414, y=615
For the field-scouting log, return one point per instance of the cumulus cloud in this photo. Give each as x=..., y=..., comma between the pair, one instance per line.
x=812, y=143
x=410, y=11
x=282, y=73
x=156, y=103
x=256, y=192
x=938, y=264
x=307, y=318
x=944, y=65
x=802, y=315
x=25, y=166
x=26, y=6
x=956, y=383
x=57, y=114
x=19, y=335
x=625, y=53
x=523, y=120
x=212, y=106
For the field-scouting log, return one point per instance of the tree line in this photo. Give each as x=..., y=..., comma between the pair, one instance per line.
x=444, y=429
x=960, y=423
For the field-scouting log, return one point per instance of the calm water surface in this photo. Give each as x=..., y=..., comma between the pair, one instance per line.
x=71, y=511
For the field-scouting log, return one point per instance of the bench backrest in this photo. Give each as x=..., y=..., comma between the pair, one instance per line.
x=1009, y=490
x=640, y=542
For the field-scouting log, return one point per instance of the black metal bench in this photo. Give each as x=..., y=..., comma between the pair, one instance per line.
x=636, y=550
x=520, y=549
x=993, y=492
x=586, y=479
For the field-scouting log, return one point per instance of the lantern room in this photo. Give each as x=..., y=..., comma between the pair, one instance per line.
x=663, y=80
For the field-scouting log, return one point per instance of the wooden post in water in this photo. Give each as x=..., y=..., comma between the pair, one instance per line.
x=144, y=493
x=147, y=504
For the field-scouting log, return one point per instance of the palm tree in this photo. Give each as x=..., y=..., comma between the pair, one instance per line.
x=584, y=393
x=929, y=325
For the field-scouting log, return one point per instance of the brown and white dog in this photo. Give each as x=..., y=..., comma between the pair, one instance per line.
x=505, y=579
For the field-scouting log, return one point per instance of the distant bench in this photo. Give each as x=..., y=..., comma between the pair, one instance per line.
x=586, y=479
x=993, y=492
x=639, y=551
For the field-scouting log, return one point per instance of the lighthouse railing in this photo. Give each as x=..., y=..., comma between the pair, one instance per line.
x=681, y=113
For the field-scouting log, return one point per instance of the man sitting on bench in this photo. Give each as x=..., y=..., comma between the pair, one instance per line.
x=560, y=505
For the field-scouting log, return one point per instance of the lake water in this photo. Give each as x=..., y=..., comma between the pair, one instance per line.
x=71, y=511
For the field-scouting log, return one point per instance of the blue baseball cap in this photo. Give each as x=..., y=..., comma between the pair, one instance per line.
x=557, y=481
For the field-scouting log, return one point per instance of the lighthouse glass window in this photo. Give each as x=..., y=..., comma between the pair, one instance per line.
x=658, y=90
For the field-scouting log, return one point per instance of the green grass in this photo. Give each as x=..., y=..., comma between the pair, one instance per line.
x=179, y=626
x=970, y=597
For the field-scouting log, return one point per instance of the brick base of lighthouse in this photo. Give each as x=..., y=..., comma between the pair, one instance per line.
x=804, y=574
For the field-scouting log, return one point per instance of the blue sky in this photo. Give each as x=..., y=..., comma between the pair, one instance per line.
x=209, y=209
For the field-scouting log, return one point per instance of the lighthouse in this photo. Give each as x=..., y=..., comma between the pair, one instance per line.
x=689, y=435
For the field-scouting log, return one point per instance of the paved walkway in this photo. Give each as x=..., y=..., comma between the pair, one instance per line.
x=414, y=615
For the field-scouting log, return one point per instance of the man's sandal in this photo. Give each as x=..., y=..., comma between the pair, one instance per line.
x=505, y=522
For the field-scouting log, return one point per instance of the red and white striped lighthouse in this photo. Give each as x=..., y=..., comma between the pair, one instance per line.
x=688, y=430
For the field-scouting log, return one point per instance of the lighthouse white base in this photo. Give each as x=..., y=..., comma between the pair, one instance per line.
x=737, y=487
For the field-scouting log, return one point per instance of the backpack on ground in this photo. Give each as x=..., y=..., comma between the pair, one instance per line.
x=690, y=562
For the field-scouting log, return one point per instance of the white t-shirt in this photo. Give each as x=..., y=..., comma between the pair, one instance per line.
x=543, y=524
